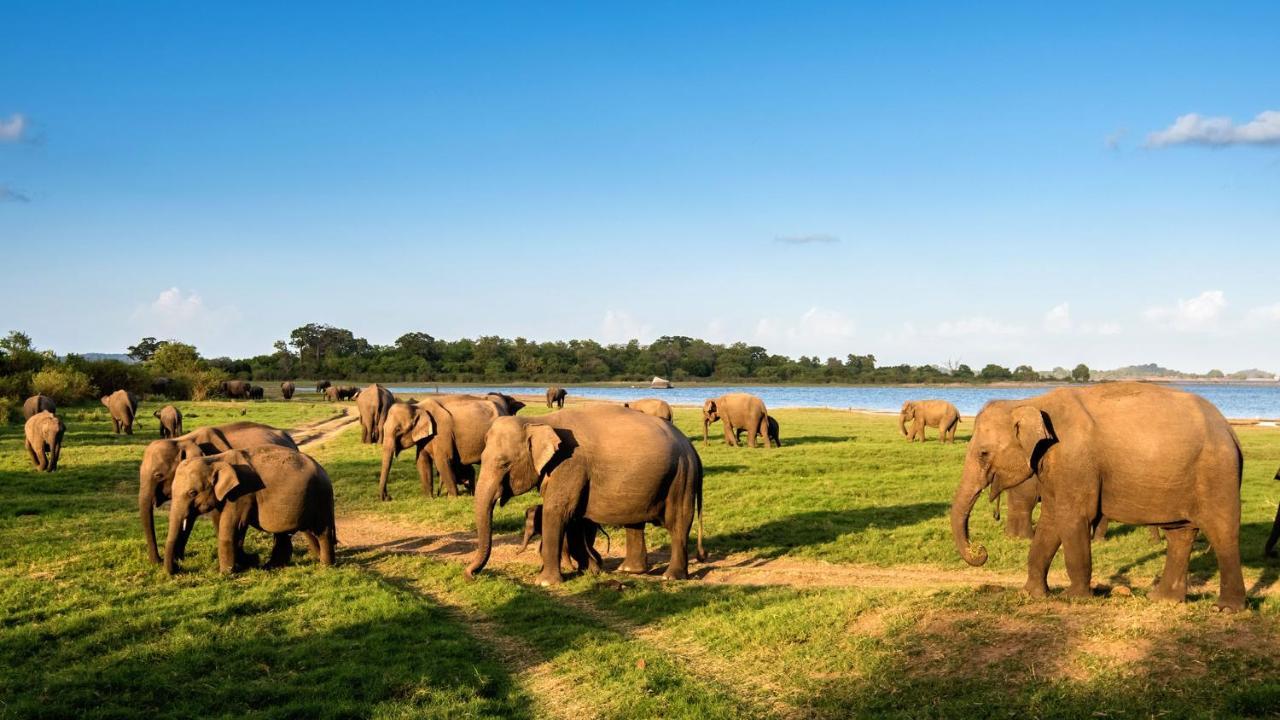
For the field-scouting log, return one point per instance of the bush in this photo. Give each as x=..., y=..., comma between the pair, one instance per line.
x=111, y=375
x=204, y=383
x=9, y=410
x=64, y=385
x=16, y=386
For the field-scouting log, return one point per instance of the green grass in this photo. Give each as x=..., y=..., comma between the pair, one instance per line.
x=89, y=628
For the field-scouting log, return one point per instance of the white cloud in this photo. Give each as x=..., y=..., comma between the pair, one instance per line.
x=1058, y=319
x=183, y=316
x=976, y=326
x=1196, y=129
x=811, y=239
x=619, y=326
x=818, y=330
x=1199, y=313
x=1264, y=315
x=11, y=130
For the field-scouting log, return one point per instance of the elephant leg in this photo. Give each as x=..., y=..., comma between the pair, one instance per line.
x=678, y=568
x=1074, y=533
x=1173, y=581
x=281, y=551
x=595, y=563
x=1044, y=545
x=637, y=560
x=1155, y=534
x=426, y=473
x=35, y=460
x=467, y=476
x=553, y=537
x=1224, y=538
x=313, y=543
x=730, y=436
x=1100, y=530
x=448, y=477
x=1270, y=550
x=228, y=548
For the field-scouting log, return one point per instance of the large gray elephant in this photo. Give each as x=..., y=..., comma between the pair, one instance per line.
x=235, y=389
x=277, y=490
x=37, y=404
x=928, y=413
x=1131, y=452
x=737, y=410
x=555, y=396
x=123, y=406
x=601, y=463
x=650, y=406
x=43, y=439
x=287, y=389
x=161, y=458
x=373, y=403
x=170, y=419
x=448, y=433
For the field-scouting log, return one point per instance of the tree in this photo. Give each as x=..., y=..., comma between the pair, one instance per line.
x=1080, y=373
x=145, y=349
x=1025, y=373
x=962, y=371
x=175, y=358
x=995, y=372
x=16, y=342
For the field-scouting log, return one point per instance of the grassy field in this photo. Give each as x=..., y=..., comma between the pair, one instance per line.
x=89, y=628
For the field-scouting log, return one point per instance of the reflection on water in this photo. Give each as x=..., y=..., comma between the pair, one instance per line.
x=1235, y=400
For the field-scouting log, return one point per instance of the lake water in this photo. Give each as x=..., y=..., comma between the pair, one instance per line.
x=1235, y=400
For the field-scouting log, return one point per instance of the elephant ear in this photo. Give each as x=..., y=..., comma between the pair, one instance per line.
x=424, y=426
x=543, y=444
x=709, y=407
x=189, y=450
x=225, y=479
x=1030, y=427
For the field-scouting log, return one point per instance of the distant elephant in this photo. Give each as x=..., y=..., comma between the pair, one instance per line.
x=555, y=396
x=37, y=404
x=331, y=393
x=348, y=392
x=373, y=403
x=773, y=432
x=322, y=386
x=235, y=389
x=123, y=406
x=44, y=432
x=256, y=392
x=508, y=404
x=287, y=388
x=600, y=463
x=170, y=421
x=1270, y=550
x=274, y=489
x=737, y=410
x=161, y=459
x=448, y=433
x=579, y=541
x=1117, y=451
x=651, y=406
x=161, y=386
x=928, y=413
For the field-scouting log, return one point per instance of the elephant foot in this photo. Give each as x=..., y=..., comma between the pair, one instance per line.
x=1036, y=589
x=1229, y=605
x=634, y=569
x=1168, y=594
x=674, y=574
x=1078, y=592
x=547, y=579
x=385, y=496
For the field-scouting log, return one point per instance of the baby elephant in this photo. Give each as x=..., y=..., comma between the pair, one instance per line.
x=44, y=432
x=773, y=432
x=579, y=541
x=256, y=392
x=275, y=489
x=170, y=421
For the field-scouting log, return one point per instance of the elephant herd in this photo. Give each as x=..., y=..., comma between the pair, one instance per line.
x=1126, y=452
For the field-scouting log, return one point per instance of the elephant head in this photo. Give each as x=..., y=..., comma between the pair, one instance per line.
x=516, y=457
x=200, y=486
x=905, y=415
x=1005, y=450
x=710, y=414
x=510, y=404
x=155, y=481
x=406, y=425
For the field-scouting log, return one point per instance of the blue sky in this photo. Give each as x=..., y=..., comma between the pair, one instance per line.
x=924, y=182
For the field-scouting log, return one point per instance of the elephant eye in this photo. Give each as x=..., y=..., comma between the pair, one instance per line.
x=191, y=493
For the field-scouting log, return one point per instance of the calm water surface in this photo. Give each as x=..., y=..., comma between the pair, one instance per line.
x=1235, y=400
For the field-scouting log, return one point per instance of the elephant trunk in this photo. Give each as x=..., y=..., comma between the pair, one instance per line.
x=54, y=451
x=705, y=424
x=175, y=545
x=971, y=485
x=388, y=454
x=488, y=490
x=146, y=511
x=902, y=423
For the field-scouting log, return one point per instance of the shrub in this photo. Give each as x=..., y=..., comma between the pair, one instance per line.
x=205, y=382
x=8, y=410
x=111, y=375
x=16, y=386
x=64, y=385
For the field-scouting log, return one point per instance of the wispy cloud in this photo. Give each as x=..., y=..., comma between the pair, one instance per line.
x=1113, y=140
x=818, y=330
x=8, y=194
x=12, y=130
x=976, y=326
x=1199, y=313
x=174, y=314
x=618, y=326
x=812, y=239
x=1196, y=129
x=1058, y=321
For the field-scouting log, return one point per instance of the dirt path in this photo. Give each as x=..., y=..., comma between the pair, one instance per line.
x=318, y=432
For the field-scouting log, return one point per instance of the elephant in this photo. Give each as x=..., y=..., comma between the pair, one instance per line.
x=348, y=392
x=929, y=413
x=256, y=392
x=37, y=404
x=651, y=406
x=322, y=386
x=331, y=393
x=555, y=396
x=1132, y=452
x=44, y=432
x=737, y=410
x=170, y=421
x=448, y=432
x=123, y=406
x=373, y=403
x=287, y=388
x=235, y=389
x=601, y=463
x=161, y=459
x=1023, y=498
x=161, y=385
x=508, y=404
x=274, y=489
x=1270, y=550
x=579, y=541
x=773, y=432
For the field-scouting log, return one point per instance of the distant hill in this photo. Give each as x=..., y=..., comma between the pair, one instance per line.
x=1252, y=374
x=1152, y=371
x=108, y=356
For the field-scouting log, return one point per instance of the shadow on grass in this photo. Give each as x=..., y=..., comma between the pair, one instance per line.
x=775, y=538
